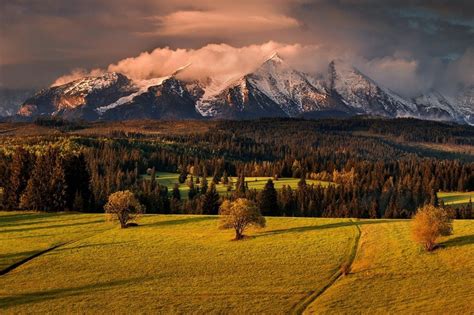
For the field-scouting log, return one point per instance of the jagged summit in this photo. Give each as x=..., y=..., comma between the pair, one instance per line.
x=274, y=88
x=275, y=57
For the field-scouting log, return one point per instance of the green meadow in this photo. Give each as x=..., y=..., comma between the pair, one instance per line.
x=258, y=183
x=185, y=264
x=456, y=197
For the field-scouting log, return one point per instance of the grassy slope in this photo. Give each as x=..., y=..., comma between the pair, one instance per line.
x=391, y=275
x=258, y=183
x=456, y=197
x=179, y=264
x=24, y=234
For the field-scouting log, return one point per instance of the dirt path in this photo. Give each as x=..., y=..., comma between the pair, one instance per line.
x=313, y=295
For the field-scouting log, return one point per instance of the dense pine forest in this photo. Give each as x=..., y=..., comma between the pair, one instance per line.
x=379, y=168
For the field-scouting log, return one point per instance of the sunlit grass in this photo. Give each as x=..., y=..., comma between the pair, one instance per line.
x=456, y=197
x=392, y=275
x=23, y=234
x=258, y=183
x=177, y=264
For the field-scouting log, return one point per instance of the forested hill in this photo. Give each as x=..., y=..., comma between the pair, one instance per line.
x=379, y=167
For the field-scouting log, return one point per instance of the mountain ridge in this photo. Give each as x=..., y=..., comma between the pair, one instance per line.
x=274, y=89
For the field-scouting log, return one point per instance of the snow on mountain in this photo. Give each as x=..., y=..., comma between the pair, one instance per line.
x=273, y=89
x=465, y=103
x=78, y=98
x=365, y=95
x=88, y=84
x=435, y=106
x=294, y=91
x=142, y=86
x=275, y=83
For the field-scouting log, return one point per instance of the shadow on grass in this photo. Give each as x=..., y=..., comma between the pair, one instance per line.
x=458, y=241
x=324, y=227
x=8, y=218
x=37, y=220
x=91, y=245
x=50, y=226
x=181, y=221
x=40, y=296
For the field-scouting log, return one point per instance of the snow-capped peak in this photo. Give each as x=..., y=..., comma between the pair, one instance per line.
x=275, y=57
x=181, y=69
x=143, y=86
x=87, y=84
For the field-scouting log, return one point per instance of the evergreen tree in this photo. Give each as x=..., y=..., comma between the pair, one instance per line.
x=192, y=191
x=267, y=201
x=58, y=192
x=211, y=201
x=225, y=178
x=176, y=195
x=203, y=185
x=183, y=175
x=20, y=169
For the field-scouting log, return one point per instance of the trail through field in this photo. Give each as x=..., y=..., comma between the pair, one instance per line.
x=441, y=281
x=313, y=295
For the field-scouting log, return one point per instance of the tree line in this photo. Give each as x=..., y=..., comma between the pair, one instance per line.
x=372, y=178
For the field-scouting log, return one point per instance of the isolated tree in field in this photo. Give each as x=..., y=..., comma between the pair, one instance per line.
x=429, y=223
x=123, y=206
x=239, y=215
x=267, y=201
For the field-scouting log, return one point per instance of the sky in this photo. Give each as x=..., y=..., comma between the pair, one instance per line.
x=409, y=46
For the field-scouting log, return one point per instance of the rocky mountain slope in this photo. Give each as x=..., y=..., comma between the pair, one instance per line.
x=274, y=89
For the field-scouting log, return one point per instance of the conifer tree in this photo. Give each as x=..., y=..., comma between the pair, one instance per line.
x=19, y=173
x=211, y=201
x=267, y=201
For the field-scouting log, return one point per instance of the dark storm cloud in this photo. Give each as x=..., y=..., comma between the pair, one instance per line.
x=426, y=39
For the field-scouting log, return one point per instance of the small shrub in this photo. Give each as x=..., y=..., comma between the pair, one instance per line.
x=429, y=224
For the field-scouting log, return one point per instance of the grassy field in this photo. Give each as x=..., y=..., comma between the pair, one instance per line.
x=258, y=183
x=184, y=264
x=25, y=234
x=392, y=275
x=177, y=264
x=456, y=198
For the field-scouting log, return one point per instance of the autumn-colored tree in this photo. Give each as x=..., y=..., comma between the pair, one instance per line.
x=240, y=214
x=429, y=223
x=123, y=206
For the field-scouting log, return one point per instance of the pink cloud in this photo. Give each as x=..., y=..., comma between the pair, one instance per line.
x=214, y=23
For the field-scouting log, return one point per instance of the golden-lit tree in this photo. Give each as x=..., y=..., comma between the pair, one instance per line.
x=124, y=207
x=240, y=214
x=429, y=224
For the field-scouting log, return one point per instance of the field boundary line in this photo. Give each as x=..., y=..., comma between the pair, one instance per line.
x=301, y=306
x=40, y=253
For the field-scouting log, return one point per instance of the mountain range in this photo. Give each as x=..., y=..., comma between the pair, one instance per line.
x=274, y=89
